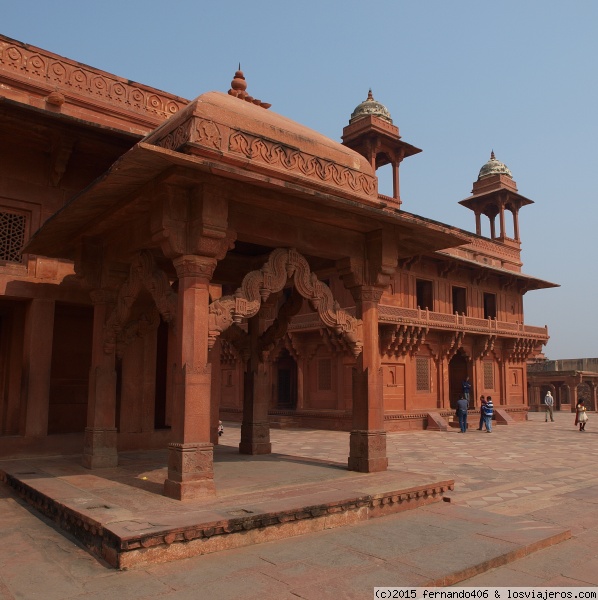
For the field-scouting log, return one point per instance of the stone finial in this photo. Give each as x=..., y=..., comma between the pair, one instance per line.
x=238, y=87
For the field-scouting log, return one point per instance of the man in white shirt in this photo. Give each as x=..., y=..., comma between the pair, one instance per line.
x=549, y=403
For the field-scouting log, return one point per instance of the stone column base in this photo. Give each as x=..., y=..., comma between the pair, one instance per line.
x=367, y=451
x=255, y=438
x=99, y=448
x=190, y=471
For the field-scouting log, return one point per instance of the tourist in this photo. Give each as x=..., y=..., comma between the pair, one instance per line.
x=462, y=407
x=581, y=416
x=220, y=428
x=549, y=403
x=482, y=402
x=488, y=411
x=466, y=388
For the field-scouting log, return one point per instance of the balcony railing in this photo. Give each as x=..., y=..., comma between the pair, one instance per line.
x=456, y=322
x=425, y=318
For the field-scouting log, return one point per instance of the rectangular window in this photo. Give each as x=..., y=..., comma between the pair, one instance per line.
x=488, y=375
x=422, y=374
x=489, y=306
x=12, y=236
x=423, y=290
x=324, y=374
x=459, y=300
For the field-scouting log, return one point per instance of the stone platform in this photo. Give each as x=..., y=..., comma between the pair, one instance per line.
x=120, y=515
x=513, y=517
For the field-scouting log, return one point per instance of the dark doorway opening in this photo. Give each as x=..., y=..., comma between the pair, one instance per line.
x=286, y=369
x=161, y=373
x=459, y=300
x=489, y=306
x=458, y=371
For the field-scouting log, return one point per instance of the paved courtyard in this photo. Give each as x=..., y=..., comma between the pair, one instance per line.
x=534, y=471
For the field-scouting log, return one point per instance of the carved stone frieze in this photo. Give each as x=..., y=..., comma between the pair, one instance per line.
x=278, y=155
x=282, y=265
x=73, y=78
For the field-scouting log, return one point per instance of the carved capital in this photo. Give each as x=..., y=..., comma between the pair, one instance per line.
x=367, y=293
x=191, y=265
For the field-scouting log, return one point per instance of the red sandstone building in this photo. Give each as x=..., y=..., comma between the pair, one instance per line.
x=166, y=263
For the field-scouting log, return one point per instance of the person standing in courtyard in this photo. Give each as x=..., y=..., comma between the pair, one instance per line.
x=549, y=403
x=482, y=402
x=581, y=416
x=466, y=388
x=462, y=407
x=488, y=411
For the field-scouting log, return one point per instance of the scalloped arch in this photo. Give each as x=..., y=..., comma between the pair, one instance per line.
x=283, y=264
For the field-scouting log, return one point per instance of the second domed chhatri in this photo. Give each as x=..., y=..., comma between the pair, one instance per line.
x=494, y=167
x=370, y=107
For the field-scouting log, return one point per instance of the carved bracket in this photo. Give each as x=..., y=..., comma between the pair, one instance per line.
x=402, y=339
x=487, y=346
x=279, y=328
x=283, y=264
x=137, y=328
x=453, y=343
x=446, y=268
x=237, y=339
x=480, y=276
x=520, y=349
x=144, y=273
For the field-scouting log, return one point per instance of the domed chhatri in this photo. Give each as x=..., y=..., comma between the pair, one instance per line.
x=370, y=107
x=494, y=167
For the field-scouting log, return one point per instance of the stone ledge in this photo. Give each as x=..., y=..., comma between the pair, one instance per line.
x=114, y=542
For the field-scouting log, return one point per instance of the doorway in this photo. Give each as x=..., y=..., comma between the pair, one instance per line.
x=286, y=371
x=458, y=371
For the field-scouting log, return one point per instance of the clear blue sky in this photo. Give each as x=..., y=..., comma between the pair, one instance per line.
x=459, y=77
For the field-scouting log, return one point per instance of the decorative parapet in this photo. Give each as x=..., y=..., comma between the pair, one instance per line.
x=49, y=73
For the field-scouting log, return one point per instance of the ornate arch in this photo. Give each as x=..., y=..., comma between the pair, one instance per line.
x=283, y=264
x=144, y=273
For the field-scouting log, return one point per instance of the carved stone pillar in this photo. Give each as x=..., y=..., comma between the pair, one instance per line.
x=255, y=428
x=215, y=391
x=190, y=459
x=367, y=451
x=37, y=350
x=100, y=439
